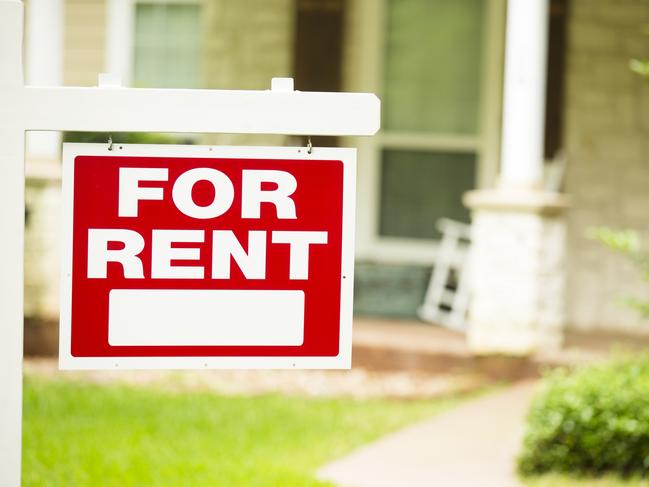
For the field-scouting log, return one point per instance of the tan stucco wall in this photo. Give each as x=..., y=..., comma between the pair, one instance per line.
x=247, y=43
x=84, y=41
x=607, y=145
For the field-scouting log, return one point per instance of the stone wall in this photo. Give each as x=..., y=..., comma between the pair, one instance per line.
x=517, y=262
x=607, y=146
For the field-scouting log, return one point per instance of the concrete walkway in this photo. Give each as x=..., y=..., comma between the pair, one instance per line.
x=473, y=444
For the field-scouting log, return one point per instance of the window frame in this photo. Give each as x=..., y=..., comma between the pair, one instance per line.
x=120, y=35
x=368, y=73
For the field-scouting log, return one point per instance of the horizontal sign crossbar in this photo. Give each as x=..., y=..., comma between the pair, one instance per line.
x=212, y=111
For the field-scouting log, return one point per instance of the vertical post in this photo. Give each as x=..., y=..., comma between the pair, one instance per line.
x=12, y=215
x=524, y=94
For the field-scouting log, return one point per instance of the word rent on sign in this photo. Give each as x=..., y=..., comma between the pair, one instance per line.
x=225, y=245
x=207, y=257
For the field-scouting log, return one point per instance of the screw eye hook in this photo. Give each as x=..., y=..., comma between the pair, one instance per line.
x=110, y=143
x=309, y=146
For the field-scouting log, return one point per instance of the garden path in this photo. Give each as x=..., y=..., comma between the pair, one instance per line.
x=473, y=444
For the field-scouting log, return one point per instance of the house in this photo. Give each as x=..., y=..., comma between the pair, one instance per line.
x=473, y=118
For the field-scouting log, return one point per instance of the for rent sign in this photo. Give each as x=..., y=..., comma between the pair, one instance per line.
x=194, y=256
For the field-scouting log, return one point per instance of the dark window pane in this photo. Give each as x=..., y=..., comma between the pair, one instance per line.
x=318, y=50
x=555, y=78
x=418, y=188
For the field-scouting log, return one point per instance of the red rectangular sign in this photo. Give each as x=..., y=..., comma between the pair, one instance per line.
x=199, y=257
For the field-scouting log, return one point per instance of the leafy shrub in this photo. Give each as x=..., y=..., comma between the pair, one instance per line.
x=640, y=66
x=591, y=421
x=627, y=243
x=127, y=138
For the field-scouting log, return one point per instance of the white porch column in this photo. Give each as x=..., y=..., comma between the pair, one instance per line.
x=120, y=28
x=518, y=232
x=44, y=67
x=524, y=94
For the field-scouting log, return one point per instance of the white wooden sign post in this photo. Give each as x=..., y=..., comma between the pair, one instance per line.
x=110, y=108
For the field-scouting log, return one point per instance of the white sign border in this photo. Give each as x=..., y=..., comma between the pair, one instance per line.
x=341, y=361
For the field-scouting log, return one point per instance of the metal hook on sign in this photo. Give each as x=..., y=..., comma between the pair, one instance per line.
x=309, y=146
x=110, y=143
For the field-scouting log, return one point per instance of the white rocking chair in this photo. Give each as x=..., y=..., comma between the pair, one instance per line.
x=447, y=297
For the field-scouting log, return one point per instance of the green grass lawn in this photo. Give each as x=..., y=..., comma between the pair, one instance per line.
x=81, y=434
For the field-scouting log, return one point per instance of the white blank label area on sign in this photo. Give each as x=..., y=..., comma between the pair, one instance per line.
x=205, y=317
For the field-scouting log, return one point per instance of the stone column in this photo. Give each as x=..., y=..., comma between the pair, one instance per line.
x=518, y=231
x=517, y=271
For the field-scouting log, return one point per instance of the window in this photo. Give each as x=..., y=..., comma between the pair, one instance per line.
x=432, y=66
x=431, y=97
x=166, y=45
x=411, y=199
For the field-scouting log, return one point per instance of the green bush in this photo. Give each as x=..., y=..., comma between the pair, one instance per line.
x=127, y=138
x=629, y=244
x=591, y=421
